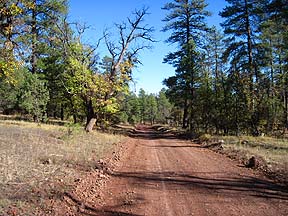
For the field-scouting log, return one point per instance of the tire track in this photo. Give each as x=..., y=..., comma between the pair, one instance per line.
x=159, y=169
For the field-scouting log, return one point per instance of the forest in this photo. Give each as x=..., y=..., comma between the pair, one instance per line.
x=232, y=80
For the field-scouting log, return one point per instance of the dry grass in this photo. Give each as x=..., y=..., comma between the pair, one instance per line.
x=271, y=153
x=38, y=156
x=273, y=150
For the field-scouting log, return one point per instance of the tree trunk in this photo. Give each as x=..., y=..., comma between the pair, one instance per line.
x=74, y=118
x=285, y=108
x=90, y=125
x=185, y=115
x=62, y=113
x=91, y=116
x=250, y=56
x=34, y=41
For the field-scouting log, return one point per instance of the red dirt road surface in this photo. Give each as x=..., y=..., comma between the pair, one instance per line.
x=161, y=175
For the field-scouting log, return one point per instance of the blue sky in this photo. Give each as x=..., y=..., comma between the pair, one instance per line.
x=99, y=15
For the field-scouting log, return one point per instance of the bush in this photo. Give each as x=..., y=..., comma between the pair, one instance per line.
x=205, y=137
x=28, y=93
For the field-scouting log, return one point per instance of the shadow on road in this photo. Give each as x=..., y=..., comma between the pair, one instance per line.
x=233, y=187
x=150, y=133
x=223, y=185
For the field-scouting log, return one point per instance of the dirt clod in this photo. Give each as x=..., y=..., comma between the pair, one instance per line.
x=251, y=162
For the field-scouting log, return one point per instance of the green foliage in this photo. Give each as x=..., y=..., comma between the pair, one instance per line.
x=230, y=83
x=29, y=94
x=145, y=108
x=143, y=104
x=9, y=92
x=72, y=80
x=164, y=107
x=233, y=83
x=151, y=108
x=9, y=13
x=34, y=96
x=186, y=19
x=205, y=138
x=30, y=26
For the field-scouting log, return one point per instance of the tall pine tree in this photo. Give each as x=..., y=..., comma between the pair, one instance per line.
x=186, y=21
x=241, y=26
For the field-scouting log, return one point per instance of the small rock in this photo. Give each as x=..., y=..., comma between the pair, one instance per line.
x=244, y=142
x=251, y=162
x=101, y=175
x=47, y=161
x=69, y=165
x=221, y=141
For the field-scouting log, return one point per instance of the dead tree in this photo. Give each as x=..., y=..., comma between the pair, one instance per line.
x=133, y=37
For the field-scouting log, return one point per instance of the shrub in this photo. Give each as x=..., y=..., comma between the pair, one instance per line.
x=205, y=137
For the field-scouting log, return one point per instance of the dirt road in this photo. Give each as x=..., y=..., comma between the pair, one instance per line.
x=162, y=175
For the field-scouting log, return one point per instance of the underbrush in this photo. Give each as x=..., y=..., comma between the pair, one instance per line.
x=271, y=153
x=40, y=161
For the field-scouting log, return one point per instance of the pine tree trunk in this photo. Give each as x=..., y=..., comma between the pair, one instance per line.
x=250, y=56
x=185, y=115
x=286, y=109
x=34, y=41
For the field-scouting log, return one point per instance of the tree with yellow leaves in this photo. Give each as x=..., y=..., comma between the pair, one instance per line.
x=9, y=14
x=123, y=58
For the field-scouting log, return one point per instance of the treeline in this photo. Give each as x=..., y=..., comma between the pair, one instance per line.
x=147, y=109
x=46, y=70
x=232, y=82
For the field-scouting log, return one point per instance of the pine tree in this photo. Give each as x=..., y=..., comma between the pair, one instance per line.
x=241, y=26
x=186, y=20
x=164, y=107
x=275, y=43
x=215, y=79
x=40, y=26
x=151, y=108
x=143, y=105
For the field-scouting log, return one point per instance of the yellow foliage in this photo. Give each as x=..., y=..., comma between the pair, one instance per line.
x=11, y=10
x=126, y=66
x=30, y=5
x=15, y=10
x=8, y=65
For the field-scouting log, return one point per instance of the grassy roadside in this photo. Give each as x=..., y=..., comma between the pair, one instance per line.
x=40, y=161
x=271, y=153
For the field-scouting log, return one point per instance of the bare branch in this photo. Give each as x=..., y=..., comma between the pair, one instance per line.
x=110, y=45
x=130, y=33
